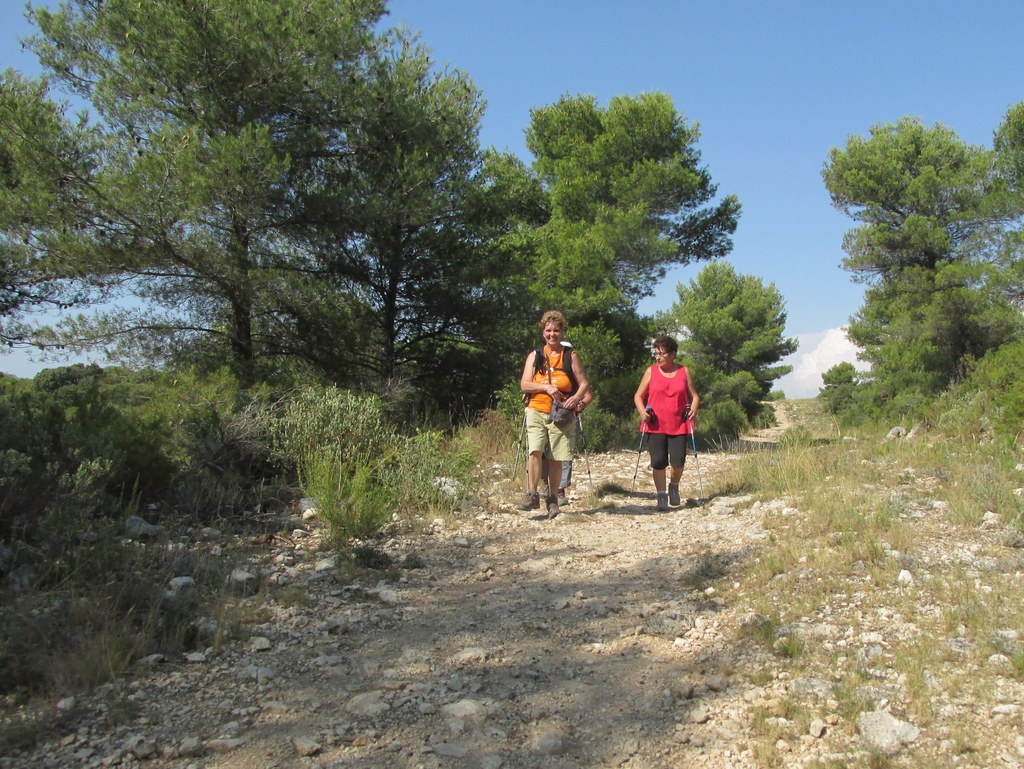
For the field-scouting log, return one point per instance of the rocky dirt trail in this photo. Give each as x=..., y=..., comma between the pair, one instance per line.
x=594, y=640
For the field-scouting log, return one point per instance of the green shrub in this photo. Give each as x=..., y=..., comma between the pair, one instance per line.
x=220, y=444
x=81, y=448
x=358, y=498
x=991, y=397
x=350, y=426
x=80, y=438
x=429, y=474
x=839, y=383
x=721, y=421
x=359, y=469
x=764, y=417
x=601, y=429
x=321, y=478
x=510, y=403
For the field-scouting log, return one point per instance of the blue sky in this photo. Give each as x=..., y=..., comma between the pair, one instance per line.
x=773, y=85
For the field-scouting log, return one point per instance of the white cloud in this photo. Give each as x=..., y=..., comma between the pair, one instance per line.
x=818, y=352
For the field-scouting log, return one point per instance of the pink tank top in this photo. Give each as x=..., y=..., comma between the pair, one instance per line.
x=668, y=396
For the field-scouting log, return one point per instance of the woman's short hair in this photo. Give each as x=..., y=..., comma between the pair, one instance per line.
x=665, y=344
x=553, y=316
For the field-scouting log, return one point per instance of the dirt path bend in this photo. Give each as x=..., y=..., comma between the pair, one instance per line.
x=594, y=640
x=771, y=435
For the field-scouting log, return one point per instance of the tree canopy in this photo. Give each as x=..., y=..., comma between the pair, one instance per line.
x=932, y=215
x=732, y=329
x=625, y=197
x=290, y=188
x=256, y=184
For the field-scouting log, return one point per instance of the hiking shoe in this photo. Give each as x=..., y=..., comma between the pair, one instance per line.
x=662, y=503
x=673, y=495
x=562, y=499
x=553, y=510
x=530, y=502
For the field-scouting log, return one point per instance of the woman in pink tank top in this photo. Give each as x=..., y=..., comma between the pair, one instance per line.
x=667, y=402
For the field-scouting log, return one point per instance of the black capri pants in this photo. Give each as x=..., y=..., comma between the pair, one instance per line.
x=665, y=449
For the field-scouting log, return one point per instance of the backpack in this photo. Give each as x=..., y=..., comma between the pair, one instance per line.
x=540, y=362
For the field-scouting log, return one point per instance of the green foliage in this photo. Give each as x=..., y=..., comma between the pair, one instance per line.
x=340, y=443
x=212, y=202
x=722, y=417
x=79, y=439
x=205, y=208
x=321, y=477
x=931, y=245
x=734, y=336
x=204, y=446
x=429, y=474
x=82, y=447
x=839, y=382
x=765, y=417
x=510, y=405
x=600, y=429
x=419, y=230
x=600, y=348
x=38, y=144
x=317, y=419
x=218, y=442
x=353, y=502
x=223, y=157
x=990, y=400
x=625, y=198
x=721, y=421
x=359, y=468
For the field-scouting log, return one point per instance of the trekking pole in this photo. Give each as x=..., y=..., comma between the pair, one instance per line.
x=639, y=448
x=583, y=445
x=693, y=442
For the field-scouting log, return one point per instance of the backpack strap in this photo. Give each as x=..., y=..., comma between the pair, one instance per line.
x=539, y=361
x=569, y=372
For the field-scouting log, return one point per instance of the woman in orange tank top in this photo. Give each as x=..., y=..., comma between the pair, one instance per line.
x=542, y=385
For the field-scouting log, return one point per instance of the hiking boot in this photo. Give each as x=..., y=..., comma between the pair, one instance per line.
x=530, y=502
x=673, y=495
x=562, y=499
x=553, y=510
x=662, y=503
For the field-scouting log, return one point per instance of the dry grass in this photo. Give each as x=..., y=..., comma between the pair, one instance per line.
x=808, y=414
x=857, y=513
x=902, y=542
x=492, y=438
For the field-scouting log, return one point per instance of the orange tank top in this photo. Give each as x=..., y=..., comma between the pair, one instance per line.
x=554, y=369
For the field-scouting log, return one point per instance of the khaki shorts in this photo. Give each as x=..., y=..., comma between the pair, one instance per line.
x=542, y=435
